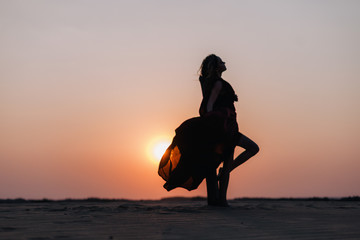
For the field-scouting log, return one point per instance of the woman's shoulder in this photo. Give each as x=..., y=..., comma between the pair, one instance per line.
x=224, y=81
x=217, y=81
x=227, y=86
x=209, y=82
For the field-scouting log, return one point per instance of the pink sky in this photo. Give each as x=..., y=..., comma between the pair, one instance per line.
x=88, y=87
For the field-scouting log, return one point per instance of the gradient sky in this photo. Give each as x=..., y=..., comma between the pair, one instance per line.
x=88, y=87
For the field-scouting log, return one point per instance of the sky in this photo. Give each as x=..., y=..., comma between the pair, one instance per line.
x=89, y=88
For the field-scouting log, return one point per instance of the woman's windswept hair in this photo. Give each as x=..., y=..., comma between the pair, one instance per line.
x=208, y=66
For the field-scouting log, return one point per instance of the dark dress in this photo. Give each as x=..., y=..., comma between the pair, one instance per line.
x=201, y=143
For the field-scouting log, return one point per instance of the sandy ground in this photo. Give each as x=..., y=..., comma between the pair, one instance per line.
x=180, y=218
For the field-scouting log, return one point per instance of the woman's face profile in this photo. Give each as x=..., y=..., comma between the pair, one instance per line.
x=221, y=65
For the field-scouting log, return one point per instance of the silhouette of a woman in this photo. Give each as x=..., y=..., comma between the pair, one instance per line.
x=218, y=99
x=202, y=143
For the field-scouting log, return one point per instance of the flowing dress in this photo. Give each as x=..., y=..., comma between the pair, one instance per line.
x=201, y=143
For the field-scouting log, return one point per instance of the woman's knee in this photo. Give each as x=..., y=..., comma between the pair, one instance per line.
x=248, y=144
x=254, y=149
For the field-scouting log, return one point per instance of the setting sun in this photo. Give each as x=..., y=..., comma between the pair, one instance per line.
x=156, y=148
x=159, y=149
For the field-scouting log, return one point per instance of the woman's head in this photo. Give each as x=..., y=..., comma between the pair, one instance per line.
x=211, y=66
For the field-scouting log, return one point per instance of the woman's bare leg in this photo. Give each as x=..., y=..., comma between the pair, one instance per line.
x=212, y=187
x=251, y=148
x=224, y=179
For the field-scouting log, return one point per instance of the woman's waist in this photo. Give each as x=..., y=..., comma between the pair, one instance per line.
x=228, y=111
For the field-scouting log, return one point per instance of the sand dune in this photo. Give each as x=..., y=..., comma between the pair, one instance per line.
x=180, y=218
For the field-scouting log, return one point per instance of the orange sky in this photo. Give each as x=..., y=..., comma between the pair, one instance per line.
x=87, y=87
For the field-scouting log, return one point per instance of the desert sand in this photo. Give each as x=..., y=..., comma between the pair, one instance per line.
x=180, y=218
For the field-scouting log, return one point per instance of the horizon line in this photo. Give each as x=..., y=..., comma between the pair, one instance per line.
x=197, y=198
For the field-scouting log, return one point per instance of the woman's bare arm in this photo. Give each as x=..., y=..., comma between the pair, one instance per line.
x=213, y=96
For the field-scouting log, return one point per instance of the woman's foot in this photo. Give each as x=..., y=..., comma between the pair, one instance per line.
x=218, y=203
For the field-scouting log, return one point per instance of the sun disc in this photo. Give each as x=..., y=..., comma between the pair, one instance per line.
x=159, y=149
